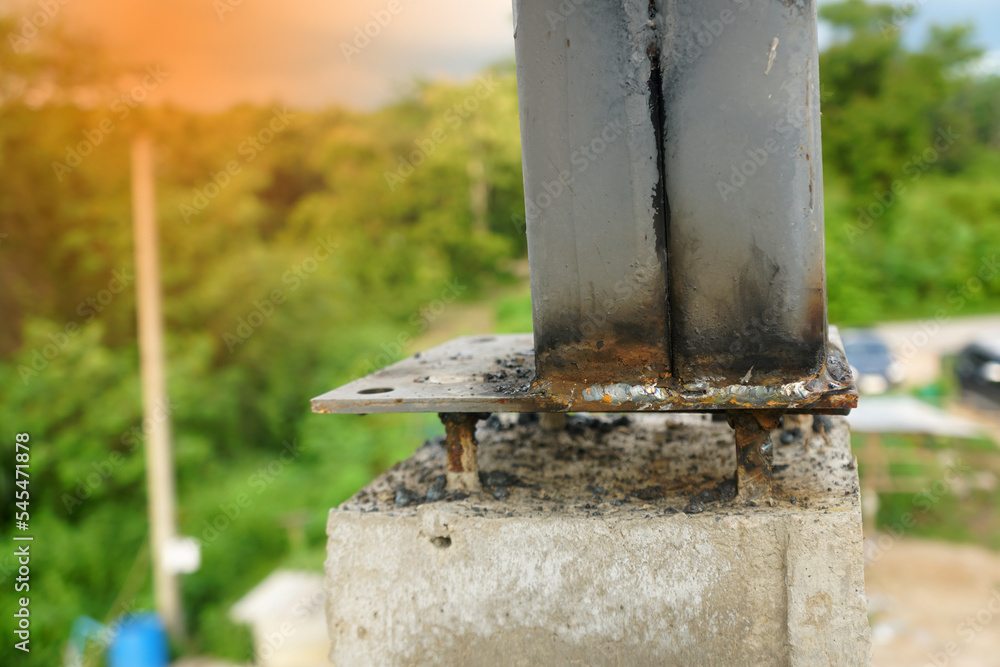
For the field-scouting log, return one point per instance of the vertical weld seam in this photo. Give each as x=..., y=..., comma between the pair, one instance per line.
x=661, y=203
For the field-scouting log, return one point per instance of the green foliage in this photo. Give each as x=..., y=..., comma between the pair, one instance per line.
x=934, y=253
x=910, y=153
x=222, y=637
x=287, y=270
x=882, y=104
x=514, y=313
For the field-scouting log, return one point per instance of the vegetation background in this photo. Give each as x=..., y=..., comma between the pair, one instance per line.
x=328, y=252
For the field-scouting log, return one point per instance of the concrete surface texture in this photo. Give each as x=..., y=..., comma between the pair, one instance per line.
x=607, y=543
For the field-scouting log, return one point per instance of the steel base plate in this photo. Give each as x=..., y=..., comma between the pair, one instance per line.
x=496, y=373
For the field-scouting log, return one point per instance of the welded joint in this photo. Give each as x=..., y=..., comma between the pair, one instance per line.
x=462, y=472
x=754, y=454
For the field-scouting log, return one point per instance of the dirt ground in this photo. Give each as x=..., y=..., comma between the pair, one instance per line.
x=932, y=603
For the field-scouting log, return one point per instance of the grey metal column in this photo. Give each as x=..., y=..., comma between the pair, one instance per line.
x=744, y=180
x=590, y=121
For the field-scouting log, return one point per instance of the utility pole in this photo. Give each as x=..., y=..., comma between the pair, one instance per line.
x=155, y=406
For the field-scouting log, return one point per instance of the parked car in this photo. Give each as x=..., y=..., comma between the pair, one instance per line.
x=977, y=367
x=875, y=369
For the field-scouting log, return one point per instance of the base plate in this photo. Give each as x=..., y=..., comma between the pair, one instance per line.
x=496, y=373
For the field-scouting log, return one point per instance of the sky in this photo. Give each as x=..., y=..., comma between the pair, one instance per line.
x=355, y=53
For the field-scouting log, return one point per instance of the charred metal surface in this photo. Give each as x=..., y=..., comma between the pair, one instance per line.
x=497, y=374
x=754, y=454
x=460, y=443
x=591, y=131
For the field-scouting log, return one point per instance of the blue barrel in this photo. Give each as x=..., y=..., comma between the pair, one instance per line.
x=141, y=641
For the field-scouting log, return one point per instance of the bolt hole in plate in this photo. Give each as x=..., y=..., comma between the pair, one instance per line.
x=376, y=390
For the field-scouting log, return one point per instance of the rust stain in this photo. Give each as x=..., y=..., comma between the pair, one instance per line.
x=754, y=454
x=605, y=358
x=460, y=440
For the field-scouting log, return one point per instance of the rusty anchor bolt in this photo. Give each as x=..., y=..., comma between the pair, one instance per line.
x=754, y=453
x=552, y=422
x=460, y=444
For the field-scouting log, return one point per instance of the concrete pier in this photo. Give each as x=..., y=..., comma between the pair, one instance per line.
x=614, y=541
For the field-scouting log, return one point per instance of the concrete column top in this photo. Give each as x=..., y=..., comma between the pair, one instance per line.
x=607, y=543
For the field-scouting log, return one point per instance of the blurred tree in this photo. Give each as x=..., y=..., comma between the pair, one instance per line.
x=883, y=104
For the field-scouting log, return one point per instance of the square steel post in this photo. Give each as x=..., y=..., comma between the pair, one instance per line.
x=673, y=190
